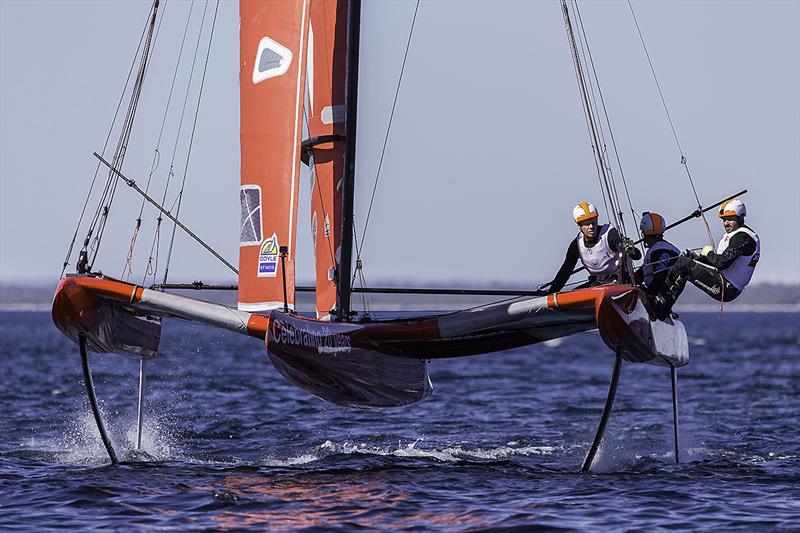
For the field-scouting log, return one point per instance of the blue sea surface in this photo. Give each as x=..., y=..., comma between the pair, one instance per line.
x=230, y=444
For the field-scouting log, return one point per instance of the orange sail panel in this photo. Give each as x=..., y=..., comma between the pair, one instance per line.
x=272, y=55
x=327, y=62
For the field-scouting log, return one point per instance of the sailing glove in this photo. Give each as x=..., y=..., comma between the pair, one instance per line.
x=628, y=245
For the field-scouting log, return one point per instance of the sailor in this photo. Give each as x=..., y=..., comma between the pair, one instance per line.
x=598, y=248
x=722, y=274
x=660, y=255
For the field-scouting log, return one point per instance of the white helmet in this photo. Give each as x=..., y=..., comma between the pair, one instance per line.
x=584, y=211
x=652, y=224
x=732, y=208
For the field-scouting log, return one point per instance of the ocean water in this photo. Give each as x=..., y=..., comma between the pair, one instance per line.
x=229, y=444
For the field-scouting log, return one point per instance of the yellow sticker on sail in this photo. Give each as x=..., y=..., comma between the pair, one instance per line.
x=268, y=258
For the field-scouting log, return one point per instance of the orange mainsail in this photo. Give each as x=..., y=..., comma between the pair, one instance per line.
x=326, y=117
x=272, y=53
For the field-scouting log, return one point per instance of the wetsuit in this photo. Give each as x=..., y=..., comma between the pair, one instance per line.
x=652, y=275
x=599, y=257
x=722, y=274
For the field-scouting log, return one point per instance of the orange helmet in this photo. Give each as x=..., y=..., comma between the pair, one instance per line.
x=732, y=208
x=584, y=211
x=652, y=224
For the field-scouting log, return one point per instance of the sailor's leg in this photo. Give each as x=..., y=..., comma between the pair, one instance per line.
x=707, y=279
x=682, y=270
x=674, y=372
x=601, y=428
x=87, y=378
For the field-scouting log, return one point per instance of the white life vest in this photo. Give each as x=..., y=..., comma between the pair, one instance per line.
x=649, y=268
x=741, y=270
x=600, y=260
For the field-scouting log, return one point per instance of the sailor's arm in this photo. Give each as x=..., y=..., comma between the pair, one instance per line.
x=740, y=244
x=566, y=267
x=618, y=244
x=662, y=260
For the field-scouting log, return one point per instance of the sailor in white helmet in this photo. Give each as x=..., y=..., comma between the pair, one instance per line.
x=660, y=255
x=722, y=274
x=597, y=247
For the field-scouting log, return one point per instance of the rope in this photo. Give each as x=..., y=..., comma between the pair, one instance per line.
x=156, y=152
x=594, y=81
x=151, y=267
x=388, y=130
x=359, y=271
x=671, y=124
x=605, y=185
x=191, y=137
x=104, y=207
x=105, y=145
x=127, y=269
x=589, y=85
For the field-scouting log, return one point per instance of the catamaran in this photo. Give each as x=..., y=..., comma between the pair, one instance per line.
x=299, y=73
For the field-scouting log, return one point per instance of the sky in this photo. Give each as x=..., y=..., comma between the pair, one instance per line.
x=488, y=151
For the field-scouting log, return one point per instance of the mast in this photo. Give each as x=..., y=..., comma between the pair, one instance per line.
x=343, y=288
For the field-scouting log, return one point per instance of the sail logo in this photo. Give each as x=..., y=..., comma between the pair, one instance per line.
x=272, y=59
x=268, y=258
x=323, y=340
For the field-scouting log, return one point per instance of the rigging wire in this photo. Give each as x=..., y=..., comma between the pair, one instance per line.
x=151, y=268
x=603, y=175
x=104, y=207
x=388, y=130
x=128, y=269
x=105, y=145
x=591, y=63
x=359, y=271
x=671, y=124
x=191, y=139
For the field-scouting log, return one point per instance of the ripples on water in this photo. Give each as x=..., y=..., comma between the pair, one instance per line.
x=228, y=443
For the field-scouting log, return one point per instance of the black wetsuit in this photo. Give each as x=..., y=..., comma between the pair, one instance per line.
x=705, y=271
x=574, y=255
x=660, y=257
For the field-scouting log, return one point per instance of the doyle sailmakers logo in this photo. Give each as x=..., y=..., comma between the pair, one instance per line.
x=272, y=59
x=268, y=258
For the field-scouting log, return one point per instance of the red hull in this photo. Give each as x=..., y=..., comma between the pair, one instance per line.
x=85, y=306
x=374, y=364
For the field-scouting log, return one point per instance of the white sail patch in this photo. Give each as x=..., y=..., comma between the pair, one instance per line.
x=250, y=229
x=333, y=114
x=272, y=59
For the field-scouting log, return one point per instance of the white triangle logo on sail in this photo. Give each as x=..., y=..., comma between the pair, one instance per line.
x=272, y=59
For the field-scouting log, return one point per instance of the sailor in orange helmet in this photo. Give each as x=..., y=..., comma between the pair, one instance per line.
x=597, y=247
x=660, y=256
x=722, y=274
